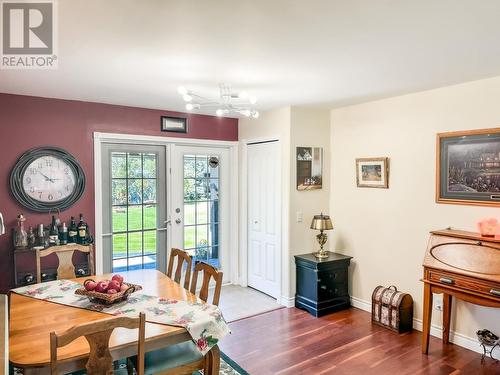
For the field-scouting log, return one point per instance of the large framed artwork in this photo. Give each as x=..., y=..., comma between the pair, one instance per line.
x=468, y=167
x=372, y=172
x=309, y=168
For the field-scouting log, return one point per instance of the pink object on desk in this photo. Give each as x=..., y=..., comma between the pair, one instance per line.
x=489, y=227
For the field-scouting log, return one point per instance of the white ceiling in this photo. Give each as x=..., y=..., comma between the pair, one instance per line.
x=284, y=52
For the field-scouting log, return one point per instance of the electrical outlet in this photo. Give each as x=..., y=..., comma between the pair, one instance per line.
x=438, y=302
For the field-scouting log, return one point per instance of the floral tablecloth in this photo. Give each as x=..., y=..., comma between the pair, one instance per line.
x=204, y=322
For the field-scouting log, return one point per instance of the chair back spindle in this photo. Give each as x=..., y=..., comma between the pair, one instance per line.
x=182, y=256
x=208, y=272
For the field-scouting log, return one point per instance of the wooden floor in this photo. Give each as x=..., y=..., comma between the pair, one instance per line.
x=290, y=341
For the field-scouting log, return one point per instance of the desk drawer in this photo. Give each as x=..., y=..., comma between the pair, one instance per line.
x=464, y=282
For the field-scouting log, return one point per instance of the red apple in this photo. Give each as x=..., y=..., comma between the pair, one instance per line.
x=124, y=287
x=113, y=284
x=118, y=278
x=90, y=285
x=102, y=286
x=112, y=291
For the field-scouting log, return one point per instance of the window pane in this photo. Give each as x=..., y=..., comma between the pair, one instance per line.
x=119, y=219
x=149, y=191
x=189, y=166
x=150, y=242
x=134, y=244
x=214, y=211
x=134, y=217
x=149, y=166
x=201, y=166
x=118, y=165
x=134, y=263
x=134, y=191
x=189, y=190
x=213, y=187
x=201, y=212
x=189, y=213
x=119, y=265
x=189, y=237
x=201, y=190
x=201, y=252
x=150, y=217
x=118, y=192
x=213, y=234
x=149, y=262
x=119, y=246
x=134, y=165
x=201, y=235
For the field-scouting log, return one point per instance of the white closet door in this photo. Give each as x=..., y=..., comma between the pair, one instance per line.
x=264, y=217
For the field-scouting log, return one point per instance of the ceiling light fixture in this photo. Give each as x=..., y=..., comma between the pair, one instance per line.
x=229, y=102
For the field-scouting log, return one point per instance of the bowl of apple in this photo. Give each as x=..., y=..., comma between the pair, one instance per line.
x=107, y=291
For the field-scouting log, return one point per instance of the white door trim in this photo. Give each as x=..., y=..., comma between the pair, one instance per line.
x=170, y=142
x=243, y=228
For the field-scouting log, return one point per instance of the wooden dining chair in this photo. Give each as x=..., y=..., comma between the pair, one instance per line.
x=208, y=273
x=98, y=334
x=182, y=257
x=66, y=268
x=4, y=334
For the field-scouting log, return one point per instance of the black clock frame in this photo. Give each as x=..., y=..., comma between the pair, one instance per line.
x=17, y=174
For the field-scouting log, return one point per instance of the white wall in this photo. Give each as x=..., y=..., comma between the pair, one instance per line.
x=273, y=124
x=386, y=230
x=294, y=126
x=310, y=128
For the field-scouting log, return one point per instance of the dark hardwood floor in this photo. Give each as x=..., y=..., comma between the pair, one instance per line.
x=290, y=341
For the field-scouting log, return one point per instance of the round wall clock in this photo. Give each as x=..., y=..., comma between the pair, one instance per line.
x=47, y=178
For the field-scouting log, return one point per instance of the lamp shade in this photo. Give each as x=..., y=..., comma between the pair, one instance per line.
x=321, y=222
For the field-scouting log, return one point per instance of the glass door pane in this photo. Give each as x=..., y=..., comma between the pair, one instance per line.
x=201, y=207
x=133, y=207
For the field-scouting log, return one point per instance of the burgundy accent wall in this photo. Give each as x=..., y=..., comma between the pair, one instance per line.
x=27, y=122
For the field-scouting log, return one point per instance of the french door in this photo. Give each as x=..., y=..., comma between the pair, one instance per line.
x=200, y=193
x=134, y=207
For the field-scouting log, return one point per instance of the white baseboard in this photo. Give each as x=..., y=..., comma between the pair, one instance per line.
x=436, y=331
x=287, y=301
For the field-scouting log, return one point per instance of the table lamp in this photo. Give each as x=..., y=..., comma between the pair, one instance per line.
x=321, y=222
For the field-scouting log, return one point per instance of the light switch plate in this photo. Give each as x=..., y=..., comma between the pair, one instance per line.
x=299, y=217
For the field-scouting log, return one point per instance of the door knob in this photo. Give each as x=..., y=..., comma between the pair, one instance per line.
x=178, y=221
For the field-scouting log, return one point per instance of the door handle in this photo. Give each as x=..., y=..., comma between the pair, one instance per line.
x=161, y=229
x=178, y=221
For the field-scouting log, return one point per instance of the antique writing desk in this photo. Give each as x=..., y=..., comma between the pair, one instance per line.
x=463, y=265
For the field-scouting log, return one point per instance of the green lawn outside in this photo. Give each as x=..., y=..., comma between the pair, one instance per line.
x=119, y=218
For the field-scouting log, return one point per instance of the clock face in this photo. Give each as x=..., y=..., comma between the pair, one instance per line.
x=48, y=179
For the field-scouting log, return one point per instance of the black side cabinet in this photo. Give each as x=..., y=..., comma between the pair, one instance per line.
x=322, y=283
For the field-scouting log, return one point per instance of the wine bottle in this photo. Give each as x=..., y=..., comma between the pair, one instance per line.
x=73, y=231
x=53, y=233
x=63, y=234
x=82, y=231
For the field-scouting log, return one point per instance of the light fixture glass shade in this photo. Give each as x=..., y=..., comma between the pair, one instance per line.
x=321, y=222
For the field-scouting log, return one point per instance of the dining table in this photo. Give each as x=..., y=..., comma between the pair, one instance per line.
x=32, y=320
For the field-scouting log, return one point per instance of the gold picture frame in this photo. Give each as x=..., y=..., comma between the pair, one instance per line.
x=372, y=172
x=468, y=167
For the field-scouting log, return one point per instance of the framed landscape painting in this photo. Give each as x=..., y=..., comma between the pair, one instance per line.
x=468, y=167
x=372, y=172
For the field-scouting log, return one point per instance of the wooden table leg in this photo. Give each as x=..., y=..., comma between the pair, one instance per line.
x=446, y=317
x=426, y=328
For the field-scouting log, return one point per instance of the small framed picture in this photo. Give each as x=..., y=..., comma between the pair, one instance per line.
x=309, y=168
x=468, y=167
x=173, y=124
x=372, y=172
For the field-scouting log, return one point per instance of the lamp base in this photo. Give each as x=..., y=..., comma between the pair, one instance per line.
x=322, y=254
